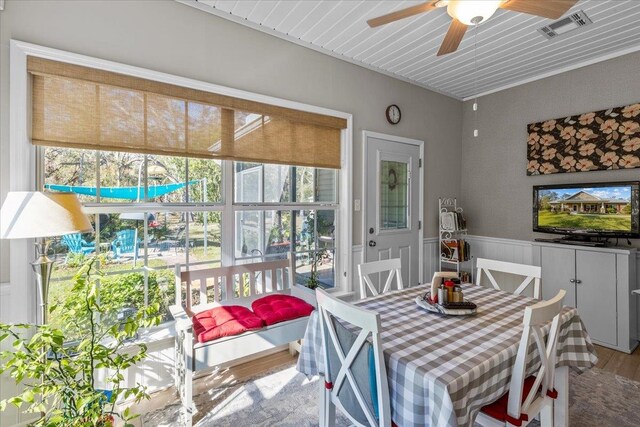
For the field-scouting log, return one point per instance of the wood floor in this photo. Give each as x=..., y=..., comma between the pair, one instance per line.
x=623, y=364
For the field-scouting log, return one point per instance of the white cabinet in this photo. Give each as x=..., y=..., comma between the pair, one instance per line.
x=598, y=282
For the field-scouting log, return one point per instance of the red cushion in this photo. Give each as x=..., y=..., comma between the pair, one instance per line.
x=278, y=308
x=498, y=409
x=224, y=322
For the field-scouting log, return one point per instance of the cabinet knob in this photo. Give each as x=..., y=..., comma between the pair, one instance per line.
x=572, y=280
x=578, y=281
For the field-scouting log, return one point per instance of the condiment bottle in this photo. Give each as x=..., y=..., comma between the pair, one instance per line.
x=449, y=285
x=457, y=294
x=442, y=295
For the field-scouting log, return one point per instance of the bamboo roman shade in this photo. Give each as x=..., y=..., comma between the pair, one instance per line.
x=81, y=107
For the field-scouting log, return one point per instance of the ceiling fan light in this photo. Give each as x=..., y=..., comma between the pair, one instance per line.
x=472, y=12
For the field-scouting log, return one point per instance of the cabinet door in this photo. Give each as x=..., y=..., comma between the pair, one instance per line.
x=596, y=294
x=558, y=269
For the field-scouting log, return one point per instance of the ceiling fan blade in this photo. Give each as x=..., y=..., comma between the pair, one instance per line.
x=454, y=36
x=552, y=9
x=401, y=14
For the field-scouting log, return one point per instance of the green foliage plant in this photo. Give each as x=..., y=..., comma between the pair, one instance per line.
x=59, y=376
x=316, y=257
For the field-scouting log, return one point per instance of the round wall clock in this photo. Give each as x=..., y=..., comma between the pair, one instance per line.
x=393, y=114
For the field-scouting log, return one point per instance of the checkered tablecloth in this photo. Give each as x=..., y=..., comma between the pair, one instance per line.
x=442, y=370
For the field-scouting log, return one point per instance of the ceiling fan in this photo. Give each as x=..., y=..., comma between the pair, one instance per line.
x=466, y=12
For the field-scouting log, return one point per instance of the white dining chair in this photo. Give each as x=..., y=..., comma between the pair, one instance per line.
x=531, y=273
x=349, y=359
x=393, y=266
x=530, y=396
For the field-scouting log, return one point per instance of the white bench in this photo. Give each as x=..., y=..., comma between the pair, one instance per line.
x=236, y=285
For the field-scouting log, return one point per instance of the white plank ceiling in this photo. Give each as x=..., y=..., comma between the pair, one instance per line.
x=509, y=49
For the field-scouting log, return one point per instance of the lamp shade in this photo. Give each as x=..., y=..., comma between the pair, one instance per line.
x=32, y=214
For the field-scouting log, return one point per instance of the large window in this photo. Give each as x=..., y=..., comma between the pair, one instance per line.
x=153, y=212
x=281, y=210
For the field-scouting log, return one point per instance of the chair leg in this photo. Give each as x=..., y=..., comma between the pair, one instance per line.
x=326, y=408
x=561, y=404
x=546, y=415
x=187, y=401
x=177, y=365
x=293, y=348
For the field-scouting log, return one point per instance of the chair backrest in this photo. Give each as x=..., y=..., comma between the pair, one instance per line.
x=73, y=242
x=531, y=273
x=535, y=318
x=348, y=362
x=393, y=266
x=127, y=240
x=237, y=284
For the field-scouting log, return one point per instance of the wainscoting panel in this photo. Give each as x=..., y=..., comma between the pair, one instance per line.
x=429, y=266
x=431, y=253
x=357, y=258
x=508, y=250
x=11, y=417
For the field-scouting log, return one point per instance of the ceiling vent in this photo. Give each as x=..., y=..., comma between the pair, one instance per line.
x=565, y=25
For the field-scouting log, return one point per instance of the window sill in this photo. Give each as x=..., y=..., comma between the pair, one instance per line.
x=344, y=295
x=155, y=338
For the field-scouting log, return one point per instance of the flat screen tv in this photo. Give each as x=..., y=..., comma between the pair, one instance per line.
x=608, y=209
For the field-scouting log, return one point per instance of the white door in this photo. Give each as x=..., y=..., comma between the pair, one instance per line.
x=392, y=209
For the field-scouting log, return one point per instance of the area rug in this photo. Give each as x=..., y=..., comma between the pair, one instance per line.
x=284, y=397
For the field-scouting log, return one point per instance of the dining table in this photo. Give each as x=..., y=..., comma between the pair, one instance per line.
x=443, y=369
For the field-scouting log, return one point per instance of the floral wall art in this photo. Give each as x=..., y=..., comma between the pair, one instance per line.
x=607, y=139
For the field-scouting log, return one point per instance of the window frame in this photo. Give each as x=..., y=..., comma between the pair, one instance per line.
x=23, y=163
x=226, y=205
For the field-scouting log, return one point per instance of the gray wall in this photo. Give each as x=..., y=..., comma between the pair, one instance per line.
x=174, y=38
x=496, y=192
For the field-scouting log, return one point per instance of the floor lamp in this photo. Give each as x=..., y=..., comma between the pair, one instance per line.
x=40, y=215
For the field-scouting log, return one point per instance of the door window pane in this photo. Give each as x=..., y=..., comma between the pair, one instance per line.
x=394, y=200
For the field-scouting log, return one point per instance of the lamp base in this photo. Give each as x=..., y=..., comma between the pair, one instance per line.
x=42, y=267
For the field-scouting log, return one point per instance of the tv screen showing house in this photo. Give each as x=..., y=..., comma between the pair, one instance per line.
x=597, y=209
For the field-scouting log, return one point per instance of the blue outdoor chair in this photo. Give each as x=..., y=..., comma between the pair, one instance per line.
x=126, y=242
x=77, y=244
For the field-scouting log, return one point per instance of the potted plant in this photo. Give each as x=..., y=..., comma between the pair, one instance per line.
x=312, y=281
x=57, y=367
